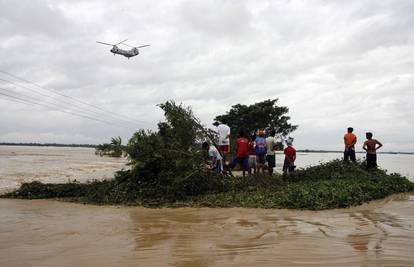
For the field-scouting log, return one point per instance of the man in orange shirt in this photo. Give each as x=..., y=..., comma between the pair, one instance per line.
x=350, y=140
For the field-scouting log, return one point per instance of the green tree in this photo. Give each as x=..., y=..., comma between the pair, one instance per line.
x=113, y=149
x=262, y=115
x=116, y=146
x=170, y=161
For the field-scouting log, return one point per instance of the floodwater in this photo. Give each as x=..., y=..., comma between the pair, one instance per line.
x=53, y=233
x=20, y=164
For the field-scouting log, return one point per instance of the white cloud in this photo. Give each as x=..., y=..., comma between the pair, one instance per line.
x=333, y=63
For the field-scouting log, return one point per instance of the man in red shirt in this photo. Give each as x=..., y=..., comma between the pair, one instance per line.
x=290, y=157
x=242, y=152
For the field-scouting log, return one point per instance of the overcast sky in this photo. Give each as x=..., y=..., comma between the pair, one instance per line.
x=333, y=63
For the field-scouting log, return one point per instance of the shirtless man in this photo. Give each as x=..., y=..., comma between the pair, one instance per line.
x=371, y=146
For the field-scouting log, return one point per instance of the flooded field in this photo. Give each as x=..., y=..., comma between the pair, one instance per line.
x=52, y=233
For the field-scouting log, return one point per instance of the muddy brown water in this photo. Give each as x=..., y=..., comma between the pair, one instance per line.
x=53, y=233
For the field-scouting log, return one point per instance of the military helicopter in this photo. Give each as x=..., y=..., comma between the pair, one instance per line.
x=126, y=53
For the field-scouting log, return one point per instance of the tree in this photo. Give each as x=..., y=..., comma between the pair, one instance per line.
x=113, y=149
x=262, y=115
x=170, y=161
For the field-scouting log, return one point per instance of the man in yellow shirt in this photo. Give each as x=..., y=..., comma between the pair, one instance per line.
x=350, y=140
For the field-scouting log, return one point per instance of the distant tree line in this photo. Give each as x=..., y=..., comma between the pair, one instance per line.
x=46, y=144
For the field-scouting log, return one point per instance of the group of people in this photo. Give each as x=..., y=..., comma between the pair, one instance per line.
x=255, y=152
x=371, y=146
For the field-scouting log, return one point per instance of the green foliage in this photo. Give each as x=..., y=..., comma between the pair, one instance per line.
x=113, y=149
x=331, y=185
x=168, y=160
x=168, y=169
x=261, y=115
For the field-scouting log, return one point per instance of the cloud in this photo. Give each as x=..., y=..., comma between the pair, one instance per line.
x=333, y=63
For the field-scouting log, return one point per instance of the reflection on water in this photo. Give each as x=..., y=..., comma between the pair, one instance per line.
x=40, y=233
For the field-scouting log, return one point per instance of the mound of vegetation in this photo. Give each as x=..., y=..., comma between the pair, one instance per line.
x=168, y=169
x=331, y=185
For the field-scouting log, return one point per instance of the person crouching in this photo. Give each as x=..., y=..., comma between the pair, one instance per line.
x=215, y=157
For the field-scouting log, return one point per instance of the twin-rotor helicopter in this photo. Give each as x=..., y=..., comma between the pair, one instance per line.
x=126, y=53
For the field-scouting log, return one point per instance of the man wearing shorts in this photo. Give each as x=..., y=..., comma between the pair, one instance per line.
x=242, y=153
x=350, y=140
x=371, y=146
x=271, y=148
x=223, y=131
x=260, y=148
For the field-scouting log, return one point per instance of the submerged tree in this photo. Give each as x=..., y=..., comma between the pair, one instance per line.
x=262, y=115
x=113, y=149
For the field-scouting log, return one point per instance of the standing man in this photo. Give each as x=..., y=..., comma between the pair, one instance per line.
x=370, y=146
x=260, y=148
x=290, y=157
x=242, y=153
x=223, y=131
x=350, y=140
x=271, y=148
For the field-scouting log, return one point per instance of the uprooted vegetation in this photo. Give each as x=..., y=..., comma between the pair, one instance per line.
x=168, y=169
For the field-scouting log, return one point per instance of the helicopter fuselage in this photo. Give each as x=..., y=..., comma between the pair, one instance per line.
x=126, y=53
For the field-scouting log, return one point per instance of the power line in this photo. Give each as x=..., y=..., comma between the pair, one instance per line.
x=28, y=101
x=70, y=97
x=72, y=105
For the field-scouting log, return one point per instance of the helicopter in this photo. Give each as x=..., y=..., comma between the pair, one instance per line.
x=126, y=53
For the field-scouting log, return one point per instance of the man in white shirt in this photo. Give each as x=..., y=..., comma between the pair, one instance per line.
x=223, y=131
x=216, y=158
x=271, y=143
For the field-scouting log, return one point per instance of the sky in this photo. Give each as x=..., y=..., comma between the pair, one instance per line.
x=334, y=64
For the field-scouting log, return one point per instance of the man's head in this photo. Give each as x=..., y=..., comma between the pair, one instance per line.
x=289, y=141
x=368, y=135
x=241, y=133
x=205, y=146
x=272, y=133
x=350, y=129
x=262, y=133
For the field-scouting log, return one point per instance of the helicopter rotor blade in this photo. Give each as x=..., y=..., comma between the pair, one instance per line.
x=104, y=43
x=122, y=42
x=142, y=46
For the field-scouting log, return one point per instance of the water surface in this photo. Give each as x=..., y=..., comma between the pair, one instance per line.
x=52, y=233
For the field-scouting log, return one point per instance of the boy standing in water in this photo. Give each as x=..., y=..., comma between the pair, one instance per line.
x=350, y=140
x=370, y=146
x=290, y=157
